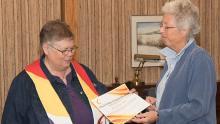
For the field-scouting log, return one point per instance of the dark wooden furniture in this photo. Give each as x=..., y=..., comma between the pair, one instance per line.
x=218, y=103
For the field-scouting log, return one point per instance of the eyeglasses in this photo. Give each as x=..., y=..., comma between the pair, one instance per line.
x=66, y=51
x=166, y=27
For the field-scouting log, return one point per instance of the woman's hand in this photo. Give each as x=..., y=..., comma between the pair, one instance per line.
x=146, y=118
x=152, y=101
x=133, y=90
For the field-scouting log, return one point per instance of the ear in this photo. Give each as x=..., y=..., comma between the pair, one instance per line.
x=45, y=48
x=184, y=32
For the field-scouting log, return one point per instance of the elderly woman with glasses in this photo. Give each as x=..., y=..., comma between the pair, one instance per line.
x=186, y=91
x=55, y=89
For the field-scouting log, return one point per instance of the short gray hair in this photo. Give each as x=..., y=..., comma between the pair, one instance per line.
x=55, y=30
x=185, y=13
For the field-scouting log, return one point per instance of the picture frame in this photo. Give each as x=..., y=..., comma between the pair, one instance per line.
x=145, y=38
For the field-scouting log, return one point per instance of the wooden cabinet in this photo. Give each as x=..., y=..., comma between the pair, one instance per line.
x=218, y=103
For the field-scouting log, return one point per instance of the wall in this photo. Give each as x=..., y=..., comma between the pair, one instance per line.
x=20, y=23
x=104, y=35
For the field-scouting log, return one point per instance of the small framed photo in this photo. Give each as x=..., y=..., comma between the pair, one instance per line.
x=146, y=43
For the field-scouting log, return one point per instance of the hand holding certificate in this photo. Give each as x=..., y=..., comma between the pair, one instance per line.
x=119, y=106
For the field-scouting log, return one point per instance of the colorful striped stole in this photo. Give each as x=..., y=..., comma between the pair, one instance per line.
x=52, y=104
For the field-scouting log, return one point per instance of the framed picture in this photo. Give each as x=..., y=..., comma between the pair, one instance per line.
x=145, y=38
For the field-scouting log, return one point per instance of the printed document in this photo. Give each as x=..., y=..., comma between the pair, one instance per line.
x=119, y=106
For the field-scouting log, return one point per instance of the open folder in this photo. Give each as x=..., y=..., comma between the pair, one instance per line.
x=119, y=106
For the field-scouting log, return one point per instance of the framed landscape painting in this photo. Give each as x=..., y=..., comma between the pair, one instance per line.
x=145, y=38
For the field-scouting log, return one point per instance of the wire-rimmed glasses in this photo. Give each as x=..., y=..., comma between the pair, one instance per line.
x=66, y=51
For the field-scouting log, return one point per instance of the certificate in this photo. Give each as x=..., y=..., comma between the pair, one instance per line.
x=119, y=106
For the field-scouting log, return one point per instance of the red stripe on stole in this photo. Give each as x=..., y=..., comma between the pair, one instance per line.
x=36, y=69
x=80, y=70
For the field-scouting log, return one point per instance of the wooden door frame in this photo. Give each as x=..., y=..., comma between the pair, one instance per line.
x=69, y=15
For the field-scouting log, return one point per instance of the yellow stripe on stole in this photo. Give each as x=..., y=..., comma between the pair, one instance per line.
x=48, y=96
x=88, y=91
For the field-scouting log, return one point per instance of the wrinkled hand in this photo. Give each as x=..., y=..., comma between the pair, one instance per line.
x=152, y=101
x=146, y=118
x=133, y=90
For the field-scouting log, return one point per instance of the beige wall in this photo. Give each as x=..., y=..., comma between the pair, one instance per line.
x=103, y=34
x=20, y=22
